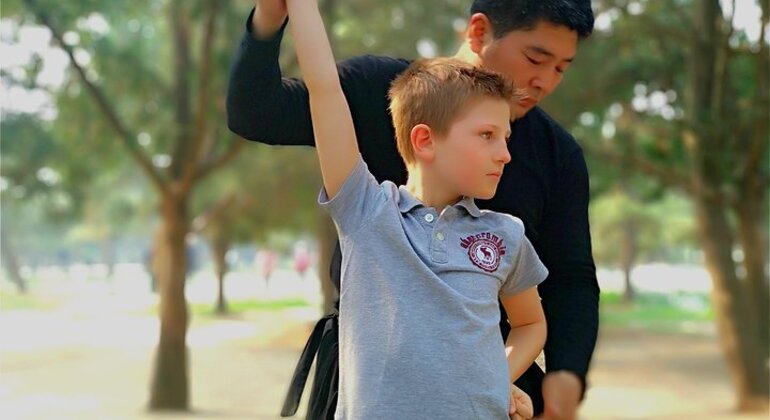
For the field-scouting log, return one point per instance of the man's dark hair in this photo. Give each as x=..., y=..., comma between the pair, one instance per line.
x=511, y=15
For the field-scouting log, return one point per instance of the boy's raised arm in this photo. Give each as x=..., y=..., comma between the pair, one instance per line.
x=332, y=123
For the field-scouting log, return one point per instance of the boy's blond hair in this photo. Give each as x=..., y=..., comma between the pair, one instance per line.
x=434, y=91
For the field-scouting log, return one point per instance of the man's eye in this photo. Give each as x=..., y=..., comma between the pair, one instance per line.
x=532, y=60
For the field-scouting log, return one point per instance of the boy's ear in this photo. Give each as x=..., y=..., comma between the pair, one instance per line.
x=479, y=32
x=422, y=140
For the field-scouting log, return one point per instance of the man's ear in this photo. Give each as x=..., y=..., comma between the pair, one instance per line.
x=479, y=32
x=422, y=140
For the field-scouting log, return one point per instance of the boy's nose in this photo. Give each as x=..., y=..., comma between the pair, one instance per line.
x=504, y=155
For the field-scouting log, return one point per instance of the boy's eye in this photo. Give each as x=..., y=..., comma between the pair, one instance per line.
x=486, y=135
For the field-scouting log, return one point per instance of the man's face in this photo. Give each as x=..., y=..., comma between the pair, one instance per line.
x=535, y=60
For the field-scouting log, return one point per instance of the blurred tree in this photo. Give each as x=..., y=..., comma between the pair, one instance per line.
x=268, y=191
x=631, y=229
x=33, y=191
x=163, y=103
x=115, y=207
x=679, y=94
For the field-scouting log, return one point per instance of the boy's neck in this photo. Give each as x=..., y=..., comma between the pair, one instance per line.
x=431, y=191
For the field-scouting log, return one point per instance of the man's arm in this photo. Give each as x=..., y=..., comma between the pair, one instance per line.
x=570, y=295
x=332, y=123
x=261, y=105
x=265, y=107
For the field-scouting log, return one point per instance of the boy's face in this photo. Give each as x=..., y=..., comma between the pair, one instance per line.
x=534, y=59
x=470, y=158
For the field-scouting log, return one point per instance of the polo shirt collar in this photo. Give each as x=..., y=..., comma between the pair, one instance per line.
x=469, y=204
x=407, y=202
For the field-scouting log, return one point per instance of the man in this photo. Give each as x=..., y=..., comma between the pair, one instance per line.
x=546, y=183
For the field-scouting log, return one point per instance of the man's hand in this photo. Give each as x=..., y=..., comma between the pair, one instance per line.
x=521, y=405
x=268, y=18
x=561, y=396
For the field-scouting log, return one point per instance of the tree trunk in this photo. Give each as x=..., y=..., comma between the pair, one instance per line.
x=327, y=241
x=108, y=255
x=170, y=383
x=706, y=142
x=11, y=261
x=752, y=233
x=220, y=249
x=628, y=257
x=742, y=346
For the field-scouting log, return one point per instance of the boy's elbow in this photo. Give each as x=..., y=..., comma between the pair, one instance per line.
x=542, y=332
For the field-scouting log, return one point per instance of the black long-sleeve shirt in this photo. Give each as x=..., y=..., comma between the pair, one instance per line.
x=545, y=184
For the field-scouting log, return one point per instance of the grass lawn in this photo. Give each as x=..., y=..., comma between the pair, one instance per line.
x=236, y=307
x=680, y=313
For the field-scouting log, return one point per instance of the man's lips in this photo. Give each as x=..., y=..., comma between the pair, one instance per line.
x=527, y=101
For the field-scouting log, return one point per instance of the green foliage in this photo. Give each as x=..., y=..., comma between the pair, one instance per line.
x=244, y=306
x=678, y=313
x=627, y=99
x=663, y=227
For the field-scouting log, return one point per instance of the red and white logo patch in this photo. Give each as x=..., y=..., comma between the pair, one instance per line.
x=484, y=250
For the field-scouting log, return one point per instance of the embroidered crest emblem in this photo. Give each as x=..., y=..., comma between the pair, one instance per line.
x=484, y=250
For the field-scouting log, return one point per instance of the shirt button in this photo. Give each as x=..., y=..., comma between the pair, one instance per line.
x=440, y=236
x=429, y=217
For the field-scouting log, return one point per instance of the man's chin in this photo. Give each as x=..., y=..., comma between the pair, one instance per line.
x=520, y=110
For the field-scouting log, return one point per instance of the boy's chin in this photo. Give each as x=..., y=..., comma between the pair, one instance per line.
x=485, y=195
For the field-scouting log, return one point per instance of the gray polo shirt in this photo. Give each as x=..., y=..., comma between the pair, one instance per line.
x=419, y=314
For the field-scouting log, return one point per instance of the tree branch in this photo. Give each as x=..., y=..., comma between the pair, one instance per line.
x=104, y=105
x=204, y=96
x=668, y=177
x=232, y=151
x=180, y=27
x=203, y=221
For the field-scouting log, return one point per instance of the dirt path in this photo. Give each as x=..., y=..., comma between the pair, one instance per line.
x=643, y=375
x=63, y=367
x=55, y=366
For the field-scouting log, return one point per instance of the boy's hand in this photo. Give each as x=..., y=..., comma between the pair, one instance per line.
x=268, y=18
x=521, y=405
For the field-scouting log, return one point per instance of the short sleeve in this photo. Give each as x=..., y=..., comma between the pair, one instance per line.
x=356, y=200
x=528, y=270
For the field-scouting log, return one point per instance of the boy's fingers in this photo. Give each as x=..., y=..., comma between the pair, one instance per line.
x=525, y=411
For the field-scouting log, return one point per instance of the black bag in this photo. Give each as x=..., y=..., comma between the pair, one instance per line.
x=323, y=346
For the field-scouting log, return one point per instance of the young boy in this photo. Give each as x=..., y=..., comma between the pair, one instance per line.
x=423, y=267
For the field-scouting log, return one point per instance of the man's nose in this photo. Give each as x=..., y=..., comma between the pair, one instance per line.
x=545, y=82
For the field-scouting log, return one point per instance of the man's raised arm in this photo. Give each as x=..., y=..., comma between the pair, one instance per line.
x=262, y=105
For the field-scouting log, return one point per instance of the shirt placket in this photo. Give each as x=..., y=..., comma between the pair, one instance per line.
x=439, y=238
